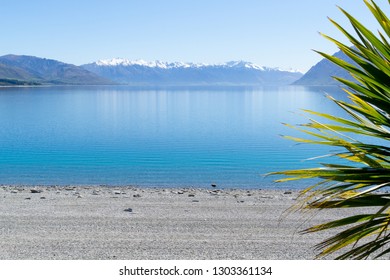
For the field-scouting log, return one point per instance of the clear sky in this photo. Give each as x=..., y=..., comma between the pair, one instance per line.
x=275, y=33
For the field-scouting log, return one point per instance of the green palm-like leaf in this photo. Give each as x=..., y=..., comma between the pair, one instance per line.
x=362, y=180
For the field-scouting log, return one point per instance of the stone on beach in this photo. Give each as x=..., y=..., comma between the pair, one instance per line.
x=35, y=191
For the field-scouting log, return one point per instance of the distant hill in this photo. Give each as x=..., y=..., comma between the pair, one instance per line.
x=35, y=70
x=321, y=74
x=140, y=72
x=10, y=72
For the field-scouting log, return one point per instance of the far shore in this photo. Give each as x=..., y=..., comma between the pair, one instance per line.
x=98, y=222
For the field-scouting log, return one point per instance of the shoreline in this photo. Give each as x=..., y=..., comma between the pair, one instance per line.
x=49, y=187
x=101, y=222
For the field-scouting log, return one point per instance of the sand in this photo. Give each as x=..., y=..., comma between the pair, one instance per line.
x=97, y=222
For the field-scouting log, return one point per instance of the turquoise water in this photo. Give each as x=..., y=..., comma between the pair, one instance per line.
x=153, y=137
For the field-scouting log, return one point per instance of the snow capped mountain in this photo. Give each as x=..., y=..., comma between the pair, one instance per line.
x=22, y=69
x=141, y=72
x=170, y=65
x=243, y=64
x=141, y=62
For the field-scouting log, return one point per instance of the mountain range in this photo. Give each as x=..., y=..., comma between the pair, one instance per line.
x=140, y=72
x=30, y=70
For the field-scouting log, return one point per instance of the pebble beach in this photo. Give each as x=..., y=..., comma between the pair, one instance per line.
x=121, y=223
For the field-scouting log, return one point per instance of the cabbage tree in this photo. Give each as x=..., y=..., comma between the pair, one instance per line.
x=361, y=176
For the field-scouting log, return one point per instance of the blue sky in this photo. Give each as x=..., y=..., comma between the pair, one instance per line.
x=276, y=33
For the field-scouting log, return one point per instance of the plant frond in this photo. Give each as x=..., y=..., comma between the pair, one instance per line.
x=361, y=176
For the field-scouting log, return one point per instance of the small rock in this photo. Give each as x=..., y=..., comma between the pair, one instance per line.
x=137, y=195
x=95, y=193
x=35, y=191
x=79, y=196
x=195, y=200
x=214, y=185
x=216, y=192
x=180, y=192
x=27, y=198
x=42, y=197
x=128, y=210
x=287, y=192
x=14, y=191
x=191, y=195
x=117, y=192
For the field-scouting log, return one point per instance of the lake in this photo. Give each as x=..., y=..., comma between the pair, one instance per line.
x=175, y=137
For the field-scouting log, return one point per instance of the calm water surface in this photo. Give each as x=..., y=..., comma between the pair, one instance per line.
x=171, y=137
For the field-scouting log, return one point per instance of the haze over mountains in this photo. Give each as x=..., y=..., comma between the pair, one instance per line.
x=140, y=72
x=30, y=70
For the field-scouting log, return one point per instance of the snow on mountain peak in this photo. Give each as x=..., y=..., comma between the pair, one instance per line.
x=242, y=64
x=170, y=65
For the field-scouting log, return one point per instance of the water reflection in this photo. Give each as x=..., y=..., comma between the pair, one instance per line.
x=181, y=137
